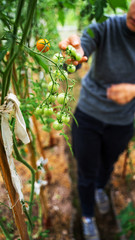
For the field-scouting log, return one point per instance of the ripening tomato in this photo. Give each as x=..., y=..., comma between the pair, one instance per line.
x=43, y=44
x=57, y=125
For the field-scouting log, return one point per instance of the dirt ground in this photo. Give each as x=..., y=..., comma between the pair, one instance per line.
x=57, y=193
x=61, y=195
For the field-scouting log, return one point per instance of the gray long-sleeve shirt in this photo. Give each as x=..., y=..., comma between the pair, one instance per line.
x=113, y=62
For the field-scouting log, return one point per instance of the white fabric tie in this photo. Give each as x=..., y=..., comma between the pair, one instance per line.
x=41, y=162
x=38, y=185
x=11, y=105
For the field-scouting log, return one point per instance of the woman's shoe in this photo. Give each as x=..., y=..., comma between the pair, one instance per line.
x=90, y=230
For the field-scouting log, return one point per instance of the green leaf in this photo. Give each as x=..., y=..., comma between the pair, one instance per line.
x=61, y=16
x=69, y=4
x=2, y=54
x=50, y=120
x=39, y=59
x=102, y=19
x=90, y=32
x=67, y=141
x=74, y=118
x=118, y=4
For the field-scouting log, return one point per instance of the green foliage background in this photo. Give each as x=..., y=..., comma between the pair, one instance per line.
x=48, y=14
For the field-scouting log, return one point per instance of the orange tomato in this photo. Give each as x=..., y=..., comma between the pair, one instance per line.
x=26, y=149
x=43, y=44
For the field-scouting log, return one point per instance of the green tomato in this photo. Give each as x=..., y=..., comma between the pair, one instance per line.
x=50, y=97
x=57, y=125
x=59, y=115
x=71, y=50
x=57, y=57
x=56, y=73
x=44, y=85
x=53, y=87
x=62, y=99
x=46, y=128
x=29, y=107
x=78, y=56
x=64, y=75
x=37, y=89
x=1, y=29
x=65, y=118
x=39, y=111
x=71, y=68
x=48, y=111
x=70, y=47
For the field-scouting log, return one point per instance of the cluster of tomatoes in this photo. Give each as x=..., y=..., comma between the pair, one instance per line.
x=49, y=108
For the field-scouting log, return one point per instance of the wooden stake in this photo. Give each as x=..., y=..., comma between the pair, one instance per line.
x=14, y=197
x=41, y=148
x=42, y=190
x=33, y=159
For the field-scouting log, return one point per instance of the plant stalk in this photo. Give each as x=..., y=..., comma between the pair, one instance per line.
x=7, y=73
x=20, y=159
x=5, y=231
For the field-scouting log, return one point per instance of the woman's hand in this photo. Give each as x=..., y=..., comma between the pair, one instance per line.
x=121, y=93
x=73, y=40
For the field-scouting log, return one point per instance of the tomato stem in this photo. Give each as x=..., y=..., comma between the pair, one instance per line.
x=30, y=11
x=7, y=73
x=4, y=230
x=20, y=159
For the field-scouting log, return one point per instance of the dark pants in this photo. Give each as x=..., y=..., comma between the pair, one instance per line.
x=96, y=147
